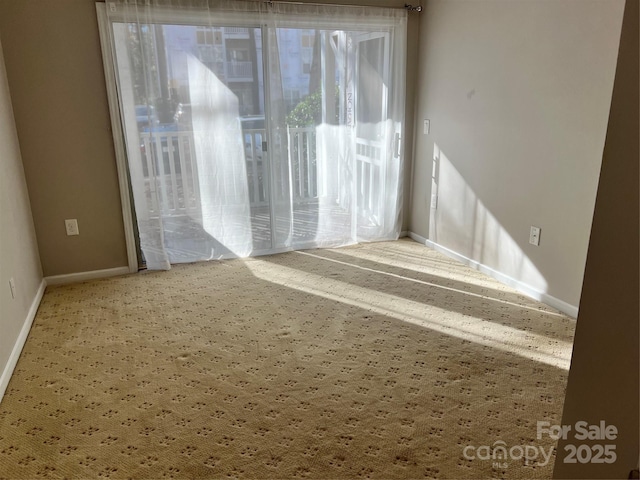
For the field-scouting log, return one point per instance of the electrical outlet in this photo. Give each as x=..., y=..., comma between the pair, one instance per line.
x=427, y=126
x=434, y=200
x=534, y=236
x=72, y=226
x=12, y=286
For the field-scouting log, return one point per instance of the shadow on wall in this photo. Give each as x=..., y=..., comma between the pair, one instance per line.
x=457, y=213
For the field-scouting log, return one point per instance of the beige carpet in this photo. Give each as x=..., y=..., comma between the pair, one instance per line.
x=374, y=361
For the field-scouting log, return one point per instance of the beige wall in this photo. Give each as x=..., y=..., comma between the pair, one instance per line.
x=54, y=66
x=518, y=94
x=18, y=250
x=603, y=380
x=55, y=71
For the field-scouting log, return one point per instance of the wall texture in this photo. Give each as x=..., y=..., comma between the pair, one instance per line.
x=18, y=249
x=518, y=95
x=54, y=66
x=603, y=380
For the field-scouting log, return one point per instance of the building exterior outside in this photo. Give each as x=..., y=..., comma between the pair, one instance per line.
x=234, y=55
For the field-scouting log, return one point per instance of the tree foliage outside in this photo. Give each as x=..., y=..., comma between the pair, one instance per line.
x=150, y=87
x=309, y=111
x=141, y=48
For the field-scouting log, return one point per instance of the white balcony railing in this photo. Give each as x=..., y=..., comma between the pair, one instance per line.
x=236, y=32
x=171, y=174
x=237, y=70
x=304, y=173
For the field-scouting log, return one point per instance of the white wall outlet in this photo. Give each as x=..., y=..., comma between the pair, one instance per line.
x=427, y=126
x=72, y=226
x=434, y=200
x=534, y=236
x=12, y=286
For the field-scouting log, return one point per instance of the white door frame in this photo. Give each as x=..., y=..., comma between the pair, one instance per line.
x=118, y=135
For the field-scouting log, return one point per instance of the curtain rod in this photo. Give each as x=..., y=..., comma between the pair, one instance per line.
x=410, y=8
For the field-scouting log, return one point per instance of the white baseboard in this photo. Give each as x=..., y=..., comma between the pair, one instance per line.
x=417, y=238
x=522, y=287
x=83, y=276
x=20, y=341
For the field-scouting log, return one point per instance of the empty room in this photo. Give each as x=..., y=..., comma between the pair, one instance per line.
x=330, y=239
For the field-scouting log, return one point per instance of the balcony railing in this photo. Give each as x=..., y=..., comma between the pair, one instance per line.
x=236, y=32
x=171, y=173
x=236, y=70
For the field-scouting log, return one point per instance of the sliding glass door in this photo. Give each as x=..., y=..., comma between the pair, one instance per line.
x=250, y=132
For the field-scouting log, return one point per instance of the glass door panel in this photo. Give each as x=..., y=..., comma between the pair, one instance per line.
x=371, y=139
x=334, y=89
x=193, y=107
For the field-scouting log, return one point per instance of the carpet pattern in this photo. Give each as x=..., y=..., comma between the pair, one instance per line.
x=374, y=361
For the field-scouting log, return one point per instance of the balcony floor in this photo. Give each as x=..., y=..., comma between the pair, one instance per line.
x=314, y=224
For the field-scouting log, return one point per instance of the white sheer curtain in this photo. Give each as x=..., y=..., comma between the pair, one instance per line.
x=255, y=127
